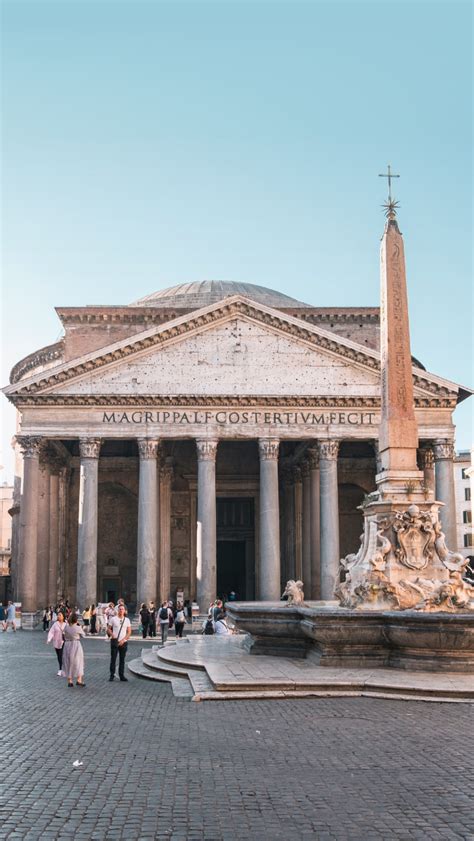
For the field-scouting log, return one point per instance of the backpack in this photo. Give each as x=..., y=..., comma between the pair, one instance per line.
x=164, y=613
x=209, y=627
x=180, y=616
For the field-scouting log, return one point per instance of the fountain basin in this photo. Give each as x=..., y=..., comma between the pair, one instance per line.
x=337, y=636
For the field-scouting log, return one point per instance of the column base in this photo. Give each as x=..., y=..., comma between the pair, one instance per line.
x=30, y=620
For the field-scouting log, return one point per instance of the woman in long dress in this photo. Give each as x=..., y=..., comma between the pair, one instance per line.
x=56, y=636
x=73, y=658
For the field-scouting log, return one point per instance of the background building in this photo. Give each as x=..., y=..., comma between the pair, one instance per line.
x=463, y=480
x=6, y=502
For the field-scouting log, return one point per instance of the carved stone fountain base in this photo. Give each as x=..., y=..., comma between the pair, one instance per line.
x=337, y=636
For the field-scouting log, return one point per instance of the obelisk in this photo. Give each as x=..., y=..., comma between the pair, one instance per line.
x=403, y=561
x=398, y=434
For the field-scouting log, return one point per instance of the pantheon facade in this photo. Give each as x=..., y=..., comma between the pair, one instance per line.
x=210, y=437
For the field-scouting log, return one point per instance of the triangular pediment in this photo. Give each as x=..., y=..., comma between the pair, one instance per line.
x=237, y=348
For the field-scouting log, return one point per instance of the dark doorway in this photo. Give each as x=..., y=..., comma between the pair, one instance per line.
x=111, y=589
x=231, y=572
x=236, y=547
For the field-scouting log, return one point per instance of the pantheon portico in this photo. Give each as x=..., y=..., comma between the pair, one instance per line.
x=210, y=437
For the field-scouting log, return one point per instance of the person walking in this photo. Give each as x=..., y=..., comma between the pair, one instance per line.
x=144, y=620
x=119, y=630
x=179, y=621
x=45, y=619
x=165, y=615
x=152, y=626
x=56, y=636
x=93, y=619
x=86, y=617
x=73, y=656
x=10, y=617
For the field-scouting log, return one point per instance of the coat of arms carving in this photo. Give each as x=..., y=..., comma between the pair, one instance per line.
x=416, y=537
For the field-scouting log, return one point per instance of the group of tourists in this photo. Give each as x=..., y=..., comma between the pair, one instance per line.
x=93, y=616
x=216, y=622
x=65, y=633
x=66, y=625
x=167, y=616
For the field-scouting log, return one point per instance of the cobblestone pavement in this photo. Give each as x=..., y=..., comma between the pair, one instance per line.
x=155, y=767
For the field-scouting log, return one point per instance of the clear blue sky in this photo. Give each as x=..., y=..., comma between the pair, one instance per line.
x=153, y=143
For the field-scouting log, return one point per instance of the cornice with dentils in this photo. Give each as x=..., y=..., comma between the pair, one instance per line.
x=189, y=324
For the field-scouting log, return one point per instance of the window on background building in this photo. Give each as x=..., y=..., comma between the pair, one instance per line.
x=467, y=494
x=468, y=540
x=467, y=517
x=463, y=473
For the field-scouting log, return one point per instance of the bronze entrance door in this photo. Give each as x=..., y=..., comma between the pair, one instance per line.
x=236, y=547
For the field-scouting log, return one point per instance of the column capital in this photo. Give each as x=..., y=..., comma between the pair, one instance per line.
x=148, y=448
x=268, y=449
x=206, y=449
x=426, y=457
x=329, y=449
x=89, y=447
x=443, y=449
x=313, y=458
x=297, y=474
x=30, y=445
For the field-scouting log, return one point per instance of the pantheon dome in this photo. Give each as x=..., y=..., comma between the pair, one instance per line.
x=205, y=292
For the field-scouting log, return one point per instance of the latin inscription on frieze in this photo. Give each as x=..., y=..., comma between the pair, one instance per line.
x=237, y=418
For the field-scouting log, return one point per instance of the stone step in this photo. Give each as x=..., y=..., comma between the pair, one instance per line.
x=170, y=654
x=273, y=694
x=344, y=685
x=197, y=676
x=151, y=661
x=180, y=685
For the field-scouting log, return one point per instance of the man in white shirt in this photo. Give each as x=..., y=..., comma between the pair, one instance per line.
x=119, y=630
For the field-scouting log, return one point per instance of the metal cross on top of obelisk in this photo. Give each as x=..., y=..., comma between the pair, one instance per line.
x=390, y=205
x=389, y=175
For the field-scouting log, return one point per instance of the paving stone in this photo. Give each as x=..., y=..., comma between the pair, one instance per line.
x=158, y=767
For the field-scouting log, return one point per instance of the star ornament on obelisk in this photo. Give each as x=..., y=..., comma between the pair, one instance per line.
x=403, y=561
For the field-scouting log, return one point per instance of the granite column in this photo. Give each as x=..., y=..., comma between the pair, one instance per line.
x=306, y=566
x=444, y=474
x=269, y=572
x=86, y=587
x=43, y=544
x=328, y=452
x=53, y=533
x=147, y=538
x=30, y=447
x=206, y=579
x=313, y=458
x=166, y=477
